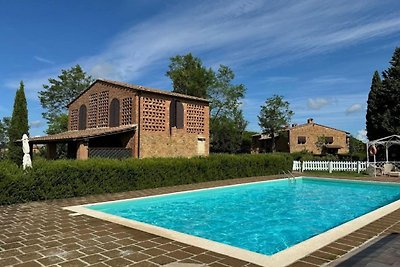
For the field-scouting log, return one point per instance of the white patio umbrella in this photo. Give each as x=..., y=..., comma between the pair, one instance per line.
x=26, y=160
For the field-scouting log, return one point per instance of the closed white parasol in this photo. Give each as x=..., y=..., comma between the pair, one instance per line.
x=26, y=160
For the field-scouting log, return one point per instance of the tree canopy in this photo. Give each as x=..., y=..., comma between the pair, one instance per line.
x=383, y=108
x=59, y=93
x=189, y=76
x=227, y=120
x=4, y=126
x=391, y=91
x=224, y=96
x=275, y=114
x=18, y=125
x=374, y=104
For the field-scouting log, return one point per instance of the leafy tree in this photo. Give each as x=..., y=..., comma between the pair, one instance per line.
x=59, y=124
x=384, y=101
x=224, y=96
x=391, y=98
x=59, y=93
x=247, y=137
x=227, y=120
x=275, y=114
x=321, y=143
x=374, y=105
x=189, y=76
x=227, y=133
x=227, y=123
x=18, y=125
x=4, y=126
x=357, y=149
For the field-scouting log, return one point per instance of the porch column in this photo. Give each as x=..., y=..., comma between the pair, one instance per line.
x=51, y=150
x=82, y=152
x=387, y=153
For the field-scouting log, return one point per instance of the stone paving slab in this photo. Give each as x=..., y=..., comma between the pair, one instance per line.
x=43, y=234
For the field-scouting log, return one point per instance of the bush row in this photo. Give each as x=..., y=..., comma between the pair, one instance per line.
x=70, y=178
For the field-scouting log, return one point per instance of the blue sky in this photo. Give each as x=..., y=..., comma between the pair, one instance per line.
x=320, y=55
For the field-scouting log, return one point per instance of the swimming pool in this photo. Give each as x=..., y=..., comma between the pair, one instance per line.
x=263, y=217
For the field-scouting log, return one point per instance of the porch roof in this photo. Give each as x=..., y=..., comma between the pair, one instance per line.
x=81, y=134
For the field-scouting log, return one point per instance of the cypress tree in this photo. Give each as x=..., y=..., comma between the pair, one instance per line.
x=18, y=125
x=391, y=91
x=373, y=108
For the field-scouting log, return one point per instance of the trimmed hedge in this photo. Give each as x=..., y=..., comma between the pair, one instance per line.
x=71, y=178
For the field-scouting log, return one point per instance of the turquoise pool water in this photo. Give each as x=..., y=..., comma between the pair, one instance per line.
x=264, y=217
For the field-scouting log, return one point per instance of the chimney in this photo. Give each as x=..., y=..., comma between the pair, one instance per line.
x=310, y=120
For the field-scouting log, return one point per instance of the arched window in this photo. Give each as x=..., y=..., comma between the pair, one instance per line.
x=82, y=117
x=176, y=114
x=114, y=113
x=179, y=115
x=172, y=114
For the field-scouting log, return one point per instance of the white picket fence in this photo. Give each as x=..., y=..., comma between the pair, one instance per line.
x=354, y=166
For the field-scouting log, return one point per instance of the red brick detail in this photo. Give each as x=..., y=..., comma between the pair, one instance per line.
x=103, y=105
x=127, y=111
x=195, y=118
x=74, y=120
x=154, y=114
x=92, y=113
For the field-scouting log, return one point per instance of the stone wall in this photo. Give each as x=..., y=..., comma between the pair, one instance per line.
x=312, y=131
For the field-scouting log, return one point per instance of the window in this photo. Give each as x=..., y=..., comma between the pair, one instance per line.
x=82, y=117
x=114, y=113
x=172, y=113
x=179, y=114
x=176, y=114
x=329, y=140
x=301, y=140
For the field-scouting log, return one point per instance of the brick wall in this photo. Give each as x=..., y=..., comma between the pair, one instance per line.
x=97, y=101
x=155, y=137
x=312, y=131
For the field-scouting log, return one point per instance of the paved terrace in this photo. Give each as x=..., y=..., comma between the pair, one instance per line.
x=43, y=234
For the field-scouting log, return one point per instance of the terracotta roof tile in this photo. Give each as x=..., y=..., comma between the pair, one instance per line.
x=82, y=134
x=141, y=88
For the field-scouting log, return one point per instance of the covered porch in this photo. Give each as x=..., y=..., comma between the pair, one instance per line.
x=115, y=142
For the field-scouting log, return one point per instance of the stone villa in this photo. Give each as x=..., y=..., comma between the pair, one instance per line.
x=116, y=120
x=304, y=137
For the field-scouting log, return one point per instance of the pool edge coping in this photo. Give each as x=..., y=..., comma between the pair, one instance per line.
x=281, y=258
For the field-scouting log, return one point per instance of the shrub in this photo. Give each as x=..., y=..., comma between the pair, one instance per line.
x=70, y=178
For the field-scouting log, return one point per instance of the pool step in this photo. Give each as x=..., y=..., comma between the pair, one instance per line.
x=290, y=176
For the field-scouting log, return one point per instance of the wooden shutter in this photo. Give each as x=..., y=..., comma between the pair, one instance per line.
x=82, y=117
x=179, y=115
x=172, y=113
x=114, y=113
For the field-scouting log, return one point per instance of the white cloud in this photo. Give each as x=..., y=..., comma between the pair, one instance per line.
x=318, y=103
x=362, y=135
x=354, y=108
x=43, y=60
x=331, y=80
x=235, y=33
x=36, y=124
